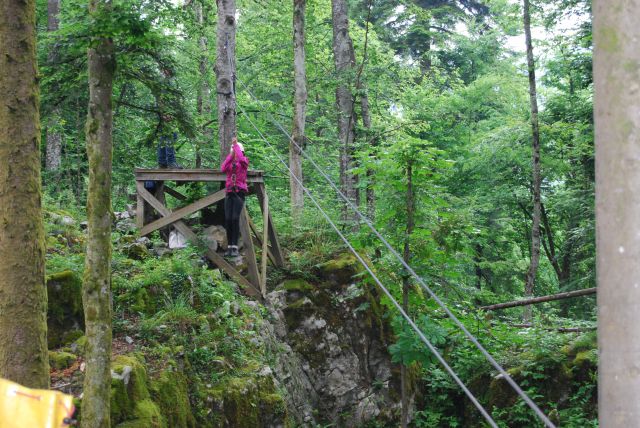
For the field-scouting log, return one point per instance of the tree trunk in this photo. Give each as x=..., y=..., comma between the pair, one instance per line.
x=617, y=138
x=23, y=295
x=366, y=121
x=344, y=58
x=226, y=74
x=535, y=228
x=299, y=111
x=204, y=94
x=405, y=285
x=96, y=287
x=53, y=158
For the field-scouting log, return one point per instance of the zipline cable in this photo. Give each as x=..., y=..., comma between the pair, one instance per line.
x=451, y=315
x=413, y=325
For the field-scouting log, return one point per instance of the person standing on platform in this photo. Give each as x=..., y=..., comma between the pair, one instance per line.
x=235, y=166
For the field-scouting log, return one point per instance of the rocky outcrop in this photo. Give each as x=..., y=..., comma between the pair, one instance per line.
x=330, y=344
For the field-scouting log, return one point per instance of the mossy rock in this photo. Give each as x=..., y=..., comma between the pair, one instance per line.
x=147, y=415
x=171, y=393
x=249, y=402
x=80, y=345
x=340, y=270
x=585, y=342
x=586, y=358
x=297, y=311
x=136, y=251
x=297, y=285
x=65, y=317
x=500, y=394
x=128, y=387
x=61, y=360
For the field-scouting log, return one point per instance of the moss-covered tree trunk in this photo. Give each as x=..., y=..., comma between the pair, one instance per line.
x=96, y=288
x=406, y=284
x=204, y=94
x=54, y=136
x=345, y=61
x=299, y=111
x=23, y=296
x=535, y=161
x=225, y=73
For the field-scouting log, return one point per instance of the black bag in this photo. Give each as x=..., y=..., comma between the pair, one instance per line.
x=150, y=185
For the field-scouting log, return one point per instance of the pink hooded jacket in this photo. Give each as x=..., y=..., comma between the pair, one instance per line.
x=236, y=171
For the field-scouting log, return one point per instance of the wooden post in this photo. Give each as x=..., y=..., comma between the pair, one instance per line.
x=261, y=193
x=265, y=246
x=258, y=241
x=250, y=252
x=617, y=139
x=139, y=211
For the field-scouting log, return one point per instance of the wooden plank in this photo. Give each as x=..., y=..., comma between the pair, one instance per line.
x=265, y=246
x=139, y=210
x=183, y=212
x=179, y=196
x=273, y=236
x=191, y=175
x=191, y=236
x=258, y=241
x=250, y=252
x=541, y=299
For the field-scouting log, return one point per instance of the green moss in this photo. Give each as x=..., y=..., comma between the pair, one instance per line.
x=249, y=402
x=64, y=311
x=586, y=358
x=171, y=394
x=299, y=285
x=128, y=386
x=147, y=415
x=585, y=342
x=61, y=360
x=342, y=269
x=81, y=345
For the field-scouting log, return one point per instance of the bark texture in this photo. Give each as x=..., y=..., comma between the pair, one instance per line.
x=23, y=296
x=345, y=61
x=204, y=95
x=406, y=284
x=54, y=137
x=617, y=136
x=226, y=74
x=299, y=110
x=371, y=140
x=536, y=179
x=96, y=289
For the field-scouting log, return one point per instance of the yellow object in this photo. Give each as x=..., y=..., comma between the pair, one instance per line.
x=22, y=407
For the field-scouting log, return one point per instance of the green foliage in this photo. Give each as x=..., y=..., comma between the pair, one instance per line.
x=448, y=97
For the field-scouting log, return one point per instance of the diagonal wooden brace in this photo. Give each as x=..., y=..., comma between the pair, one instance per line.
x=191, y=236
x=179, y=214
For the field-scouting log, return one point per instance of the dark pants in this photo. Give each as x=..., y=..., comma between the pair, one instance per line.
x=233, y=204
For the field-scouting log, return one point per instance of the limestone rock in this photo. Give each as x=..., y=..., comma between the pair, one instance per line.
x=136, y=251
x=334, y=361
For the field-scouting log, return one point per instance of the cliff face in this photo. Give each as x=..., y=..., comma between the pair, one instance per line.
x=329, y=341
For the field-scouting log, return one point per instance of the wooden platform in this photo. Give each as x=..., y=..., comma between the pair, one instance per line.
x=255, y=282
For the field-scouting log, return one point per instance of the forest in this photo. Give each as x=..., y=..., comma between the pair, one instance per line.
x=425, y=160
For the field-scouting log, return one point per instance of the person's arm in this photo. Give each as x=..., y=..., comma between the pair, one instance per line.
x=240, y=156
x=226, y=165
